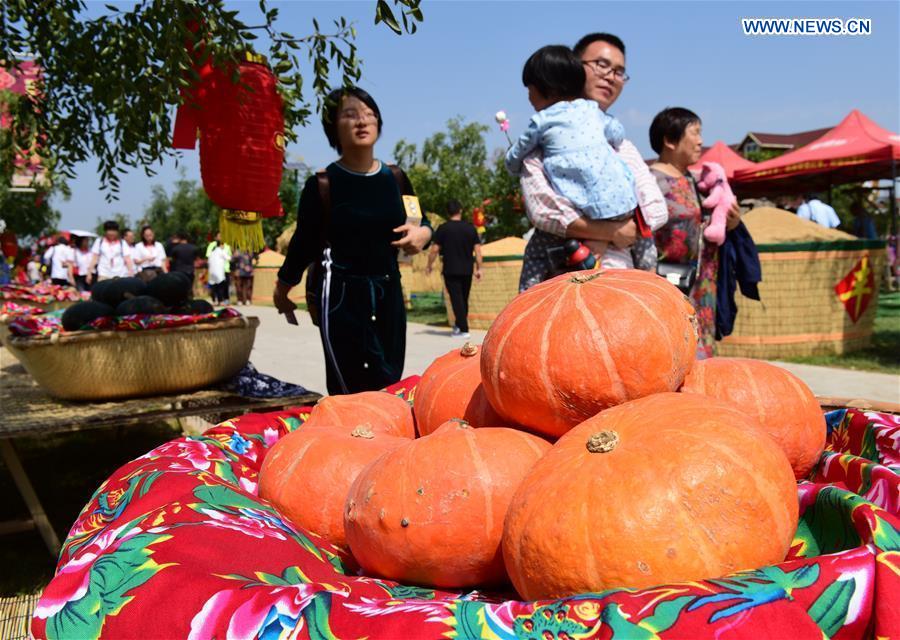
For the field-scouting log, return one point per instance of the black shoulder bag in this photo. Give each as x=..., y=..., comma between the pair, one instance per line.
x=316, y=273
x=683, y=276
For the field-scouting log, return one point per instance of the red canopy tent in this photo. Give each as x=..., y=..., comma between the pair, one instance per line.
x=730, y=160
x=857, y=149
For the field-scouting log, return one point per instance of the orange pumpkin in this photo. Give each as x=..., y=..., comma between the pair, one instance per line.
x=577, y=344
x=308, y=473
x=377, y=410
x=431, y=512
x=783, y=404
x=451, y=388
x=668, y=488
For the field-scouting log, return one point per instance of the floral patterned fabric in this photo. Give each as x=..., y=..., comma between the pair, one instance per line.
x=41, y=293
x=177, y=544
x=10, y=309
x=680, y=241
x=51, y=323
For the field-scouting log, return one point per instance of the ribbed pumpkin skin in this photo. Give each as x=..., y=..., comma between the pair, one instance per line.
x=783, y=404
x=693, y=489
x=308, y=474
x=451, y=388
x=431, y=512
x=377, y=410
x=577, y=344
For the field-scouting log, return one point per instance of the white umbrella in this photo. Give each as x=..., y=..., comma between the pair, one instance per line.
x=82, y=234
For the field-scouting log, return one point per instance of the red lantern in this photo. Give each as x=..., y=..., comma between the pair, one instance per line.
x=241, y=146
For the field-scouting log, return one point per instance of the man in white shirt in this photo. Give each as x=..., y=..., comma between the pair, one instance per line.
x=61, y=259
x=819, y=212
x=112, y=255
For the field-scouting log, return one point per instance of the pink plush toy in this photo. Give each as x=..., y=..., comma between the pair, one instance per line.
x=720, y=198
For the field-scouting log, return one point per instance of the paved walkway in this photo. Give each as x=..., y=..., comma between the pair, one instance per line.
x=295, y=354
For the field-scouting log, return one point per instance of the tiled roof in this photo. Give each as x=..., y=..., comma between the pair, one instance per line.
x=787, y=140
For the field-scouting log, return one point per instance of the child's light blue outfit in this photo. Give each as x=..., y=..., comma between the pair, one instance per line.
x=577, y=140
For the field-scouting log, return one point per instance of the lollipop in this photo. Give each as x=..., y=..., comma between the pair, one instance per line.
x=503, y=121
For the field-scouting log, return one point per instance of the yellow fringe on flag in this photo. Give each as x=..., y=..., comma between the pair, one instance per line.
x=242, y=230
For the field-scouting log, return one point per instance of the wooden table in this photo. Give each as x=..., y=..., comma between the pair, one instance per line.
x=29, y=411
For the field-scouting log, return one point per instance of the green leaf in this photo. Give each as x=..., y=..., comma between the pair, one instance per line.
x=829, y=611
x=316, y=616
x=666, y=613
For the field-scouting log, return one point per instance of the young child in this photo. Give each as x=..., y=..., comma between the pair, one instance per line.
x=577, y=138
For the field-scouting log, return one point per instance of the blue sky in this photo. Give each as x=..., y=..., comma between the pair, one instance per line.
x=466, y=60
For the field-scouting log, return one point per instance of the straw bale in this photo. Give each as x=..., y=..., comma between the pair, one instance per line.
x=510, y=246
x=768, y=225
x=281, y=244
x=269, y=258
x=800, y=314
x=499, y=284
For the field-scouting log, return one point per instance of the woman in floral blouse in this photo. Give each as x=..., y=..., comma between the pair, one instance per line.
x=675, y=135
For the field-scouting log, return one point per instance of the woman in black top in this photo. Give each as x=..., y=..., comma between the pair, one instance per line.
x=363, y=319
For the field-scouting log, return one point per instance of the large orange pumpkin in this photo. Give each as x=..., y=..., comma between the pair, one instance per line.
x=451, y=388
x=783, y=404
x=308, y=473
x=577, y=344
x=668, y=488
x=376, y=410
x=431, y=512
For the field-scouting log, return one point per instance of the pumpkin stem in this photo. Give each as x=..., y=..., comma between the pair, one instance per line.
x=468, y=350
x=460, y=423
x=581, y=278
x=363, y=432
x=602, y=442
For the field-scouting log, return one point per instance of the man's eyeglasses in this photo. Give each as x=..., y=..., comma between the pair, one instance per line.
x=603, y=67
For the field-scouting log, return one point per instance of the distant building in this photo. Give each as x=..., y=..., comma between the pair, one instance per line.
x=780, y=142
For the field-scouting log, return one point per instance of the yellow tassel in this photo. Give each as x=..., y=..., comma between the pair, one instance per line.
x=242, y=230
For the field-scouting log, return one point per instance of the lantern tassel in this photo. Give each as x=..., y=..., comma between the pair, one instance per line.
x=242, y=230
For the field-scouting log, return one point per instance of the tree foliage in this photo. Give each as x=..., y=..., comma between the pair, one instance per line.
x=28, y=213
x=188, y=210
x=454, y=165
x=761, y=155
x=111, y=83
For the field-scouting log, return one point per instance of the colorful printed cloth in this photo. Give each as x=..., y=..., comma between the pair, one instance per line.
x=41, y=293
x=48, y=324
x=177, y=543
x=16, y=309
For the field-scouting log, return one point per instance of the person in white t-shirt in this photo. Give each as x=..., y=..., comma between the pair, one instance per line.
x=819, y=212
x=61, y=259
x=149, y=255
x=112, y=255
x=34, y=269
x=83, y=257
x=217, y=260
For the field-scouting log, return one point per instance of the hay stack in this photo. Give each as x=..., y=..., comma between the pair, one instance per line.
x=800, y=313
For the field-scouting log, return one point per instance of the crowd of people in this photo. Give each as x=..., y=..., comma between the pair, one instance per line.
x=80, y=261
x=581, y=179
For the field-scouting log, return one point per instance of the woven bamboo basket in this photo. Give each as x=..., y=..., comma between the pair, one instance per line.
x=5, y=319
x=105, y=365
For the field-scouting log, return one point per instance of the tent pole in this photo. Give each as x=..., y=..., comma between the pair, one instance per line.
x=894, y=201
